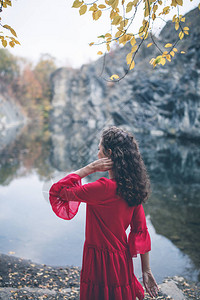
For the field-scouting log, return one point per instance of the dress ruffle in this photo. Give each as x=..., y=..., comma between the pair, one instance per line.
x=115, y=278
x=64, y=209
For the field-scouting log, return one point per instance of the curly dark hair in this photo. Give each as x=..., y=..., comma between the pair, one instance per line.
x=133, y=182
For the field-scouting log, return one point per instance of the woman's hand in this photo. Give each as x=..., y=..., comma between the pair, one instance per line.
x=102, y=164
x=150, y=283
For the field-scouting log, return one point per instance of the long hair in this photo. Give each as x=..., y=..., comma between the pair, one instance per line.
x=133, y=183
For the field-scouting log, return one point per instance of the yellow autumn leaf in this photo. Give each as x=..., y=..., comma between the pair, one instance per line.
x=155, y=7
x=186, y=32
x=152, y=61
x=135, y=2
x=8, y=2
x=134, y=48
x=172, y=53
x=176, y=25
x=162, y=61
x=101, y=6
x=110, y=2
x=133, y=41
x=122, y=39
x=115, y=4
x=12, y=44
x=146, y=35
x=168, y=45
x=141, y=31
x=113, y=14
x=108, y=35
x=160, y=2
x=181, y=35
x=168, y=57
x=183, y=20
x=4, y=43
x=175, y=50
x=123, y=23
x=182, y=52
x=129, y=7
x=128, y=37
x=91, y=44
x=153, y=16
x=118, y=33
x=116, y=20
x=149, y=45
x=83, y=9
x=166, y=9
x=108, y=47
x=186, y=28
x=179, y=2
x=99, y=52
x=77, y=4
x=199, y=6
x=16, y=42
x=96, y=14
x=93, y=8
x=13, y=32
x=11, y=29
x=132, y=65
x=174, y=3
x=129, y=58
x=173, y=19
x=114, y=76
x=147, y=11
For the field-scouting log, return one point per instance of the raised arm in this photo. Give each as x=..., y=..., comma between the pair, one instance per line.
x=99, y=165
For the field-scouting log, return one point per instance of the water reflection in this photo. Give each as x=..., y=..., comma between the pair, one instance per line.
x=31, y=230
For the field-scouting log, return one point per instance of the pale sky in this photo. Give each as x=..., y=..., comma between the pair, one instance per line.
x=49, y=26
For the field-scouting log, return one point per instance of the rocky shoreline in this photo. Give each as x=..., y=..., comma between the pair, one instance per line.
x=23, y=279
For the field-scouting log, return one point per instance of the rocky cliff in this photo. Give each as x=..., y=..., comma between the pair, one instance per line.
x=11, y=117
x=164, y=101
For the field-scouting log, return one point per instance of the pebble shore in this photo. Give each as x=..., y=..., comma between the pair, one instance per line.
x=23, y=279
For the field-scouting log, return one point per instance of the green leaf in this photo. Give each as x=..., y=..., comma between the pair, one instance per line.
x=101, y=36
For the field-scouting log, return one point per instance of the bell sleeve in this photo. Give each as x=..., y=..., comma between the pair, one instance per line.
x=63, y=209
x=139, y=239
x=66, y=195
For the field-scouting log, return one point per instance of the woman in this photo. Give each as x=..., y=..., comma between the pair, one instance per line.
x=112, y=205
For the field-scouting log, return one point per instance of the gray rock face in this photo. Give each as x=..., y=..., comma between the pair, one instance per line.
x=11, y=118
x=164, y=101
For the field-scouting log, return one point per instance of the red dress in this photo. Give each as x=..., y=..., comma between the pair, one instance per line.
x=107, y=266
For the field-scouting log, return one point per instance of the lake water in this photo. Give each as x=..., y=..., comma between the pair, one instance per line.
x=30, y=229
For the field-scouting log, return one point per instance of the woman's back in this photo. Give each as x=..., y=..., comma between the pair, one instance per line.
x=107, y=221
